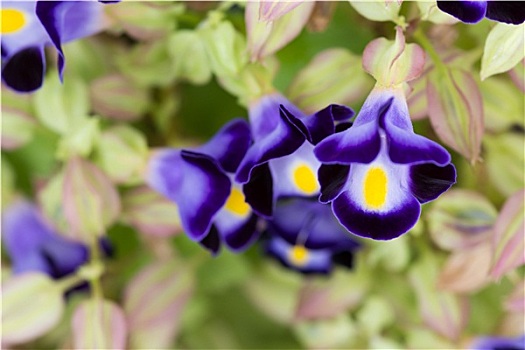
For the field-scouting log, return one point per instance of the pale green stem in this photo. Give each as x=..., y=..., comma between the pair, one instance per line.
x=95, y=260
x=427, y=46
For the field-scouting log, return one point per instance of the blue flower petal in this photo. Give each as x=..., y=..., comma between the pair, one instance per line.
x=309, y=223
x=322, y=124
x=465, y=11
x=282, y=140
x=195, y=182
x=69, y=20
x=229, y=145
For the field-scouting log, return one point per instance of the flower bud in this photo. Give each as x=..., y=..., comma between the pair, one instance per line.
x=393, y=62
x=269, y=30
x=90, y=201
x=150, y=213
x=122, y=154
x=333, y=76
x=116, y=97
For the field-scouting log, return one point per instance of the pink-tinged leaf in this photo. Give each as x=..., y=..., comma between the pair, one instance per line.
x=150, y=213
x=32, y=304
x=444, y=312
x=461, y=219
x=517, y=73
x=393, y=62
x=90, y=201
x=273, y=10
x=515, y=302
x=417, y=100
x=322, y=299
x=99, y=324
x=455, y=108
x=154, y=301
x=509, y=236
x=466, y=270
x=116, y=97
x=266, y=38
x=333, y=76
x=382, y=10
x=17, y=128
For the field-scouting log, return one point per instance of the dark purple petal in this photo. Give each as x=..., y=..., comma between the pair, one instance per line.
x=195, y=182
x=229, y=145
x=332, y=178
x=64, y=257
x=344, y=258
x=512, y=12
x=212, y=241
x=322, y=124
x=405, y=147
x=359, y=144
x=499, y=343
x=465, y=11
x=68, y=20
x=242, y=237
x=24, y=71
x=265, y=114
x=318, y=261
x=283, y=140
x=374, y=224
x=312, y=224
x=428, y=181
x=258, y=192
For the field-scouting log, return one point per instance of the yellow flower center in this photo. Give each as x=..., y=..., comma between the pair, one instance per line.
x=298, y=255
x=375, y=187
x=236, y=203
x=304, y=178
x=12, y=20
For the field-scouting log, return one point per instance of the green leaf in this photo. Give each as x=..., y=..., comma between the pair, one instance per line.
x=504, y=48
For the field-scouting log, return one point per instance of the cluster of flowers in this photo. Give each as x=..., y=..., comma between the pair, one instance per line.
x=286, y=167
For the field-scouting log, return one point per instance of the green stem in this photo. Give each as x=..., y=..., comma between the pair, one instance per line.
x=425, y=43
x=95, y=260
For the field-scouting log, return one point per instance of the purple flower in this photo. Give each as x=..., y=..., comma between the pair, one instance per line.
x=499, y=343
x=380, y=171
x=200, y=181
x=29, y=26
x=33, y=245
x=512, y=12
x=281, y=161
x=305, y=236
